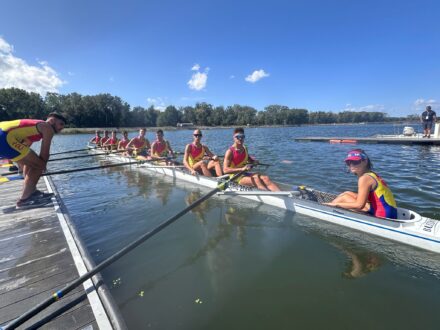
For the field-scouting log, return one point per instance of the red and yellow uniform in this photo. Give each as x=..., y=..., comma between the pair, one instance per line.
x=96, y=139
x=381, y=199
x=16, y=137
x=139, y=145
x=112, y=143
x=104, y=139
x=196, y=154
x=239, y=159
x=160, y=149
x=123, y=143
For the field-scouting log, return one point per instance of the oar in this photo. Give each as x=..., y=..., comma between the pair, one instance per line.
x=74, y=157
x=90, y=155
x=61, y=293
x=69, y=151
x=4, y=179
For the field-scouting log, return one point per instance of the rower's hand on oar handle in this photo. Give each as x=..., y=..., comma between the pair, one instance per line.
x=247, y=167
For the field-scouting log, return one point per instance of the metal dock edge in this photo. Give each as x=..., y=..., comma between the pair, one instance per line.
x=104, y=307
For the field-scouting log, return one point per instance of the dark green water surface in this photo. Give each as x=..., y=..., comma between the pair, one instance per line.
x=236, y=264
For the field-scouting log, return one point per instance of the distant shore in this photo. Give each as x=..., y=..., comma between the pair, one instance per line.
x=91, y=130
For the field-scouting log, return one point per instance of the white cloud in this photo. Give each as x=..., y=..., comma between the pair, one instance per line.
x=196, y=67
x=367, y=108
x=231, y=76
x=199, y=79
x=5, y=47
x=159, y=103
x=420, y=104
x=256, y=75
x=15, y=72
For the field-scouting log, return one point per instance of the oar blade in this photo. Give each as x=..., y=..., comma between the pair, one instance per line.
x=5, y=179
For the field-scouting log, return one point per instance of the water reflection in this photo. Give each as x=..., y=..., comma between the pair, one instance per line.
x=200, y=210
x=359, y=262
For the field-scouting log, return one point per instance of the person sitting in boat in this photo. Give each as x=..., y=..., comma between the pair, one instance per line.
x=199, y=159
x=97, y=138
x=122, y=145
x=373, y=196
x=112, y=143
x=161, y=148
x=237, y=159
x=139, y=145
x=104, y=139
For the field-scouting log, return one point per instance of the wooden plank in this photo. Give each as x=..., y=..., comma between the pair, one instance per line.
x=36, y=262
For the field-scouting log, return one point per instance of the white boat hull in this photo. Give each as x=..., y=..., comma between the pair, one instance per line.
x=410, y=228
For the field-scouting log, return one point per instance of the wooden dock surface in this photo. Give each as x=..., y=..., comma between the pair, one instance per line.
x=35, y=262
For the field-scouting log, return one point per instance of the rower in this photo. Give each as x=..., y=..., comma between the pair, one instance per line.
x=112, y=142
x=373, y=194
x=161, y=148
x=139, y=145
x=122, y=145
x=199, y=159
x=237, y=159
x=97, y=138
x=16, y=137
x=104, y=139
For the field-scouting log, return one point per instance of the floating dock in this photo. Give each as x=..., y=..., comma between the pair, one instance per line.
x=40, y=254
x=385, y=139
x=409, y=138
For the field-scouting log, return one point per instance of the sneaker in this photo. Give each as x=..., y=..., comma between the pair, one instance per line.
x=31, y=202
x=13, y=169
x=39, y=194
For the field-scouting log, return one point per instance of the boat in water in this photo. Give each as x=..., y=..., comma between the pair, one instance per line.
x=409, y=228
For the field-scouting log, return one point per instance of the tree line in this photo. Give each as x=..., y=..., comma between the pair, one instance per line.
x=105, y=110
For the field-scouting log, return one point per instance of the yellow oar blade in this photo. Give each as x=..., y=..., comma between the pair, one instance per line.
x=3, y=179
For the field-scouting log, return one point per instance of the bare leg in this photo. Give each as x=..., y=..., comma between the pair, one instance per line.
x=215, y=164
x=269, y=184
x=201, y=166
x=349, y=197
x=33, y=168
x=253, y=181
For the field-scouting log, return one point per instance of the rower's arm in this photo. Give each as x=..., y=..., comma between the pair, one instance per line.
x=227, y=169
x=170, y=150
x=186, y=157
x=130, y=143
x=47, y=132
x=210, y=154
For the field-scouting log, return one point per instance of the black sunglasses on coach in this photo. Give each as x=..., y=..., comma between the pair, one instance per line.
x=198, y=135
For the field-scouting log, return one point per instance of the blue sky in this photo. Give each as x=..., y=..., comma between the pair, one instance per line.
x=320, y=55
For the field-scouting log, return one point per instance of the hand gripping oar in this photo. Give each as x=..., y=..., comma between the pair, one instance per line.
x=61, y=293
x=4, y=179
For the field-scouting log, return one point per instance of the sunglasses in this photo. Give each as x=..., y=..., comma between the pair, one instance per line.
x=240, y=136
x=198, y=135
x=353, y=162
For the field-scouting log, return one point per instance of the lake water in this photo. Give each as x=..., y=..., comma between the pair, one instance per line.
x=236, y=264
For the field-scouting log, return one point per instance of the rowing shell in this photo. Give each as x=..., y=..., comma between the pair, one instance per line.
x=410, y=227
